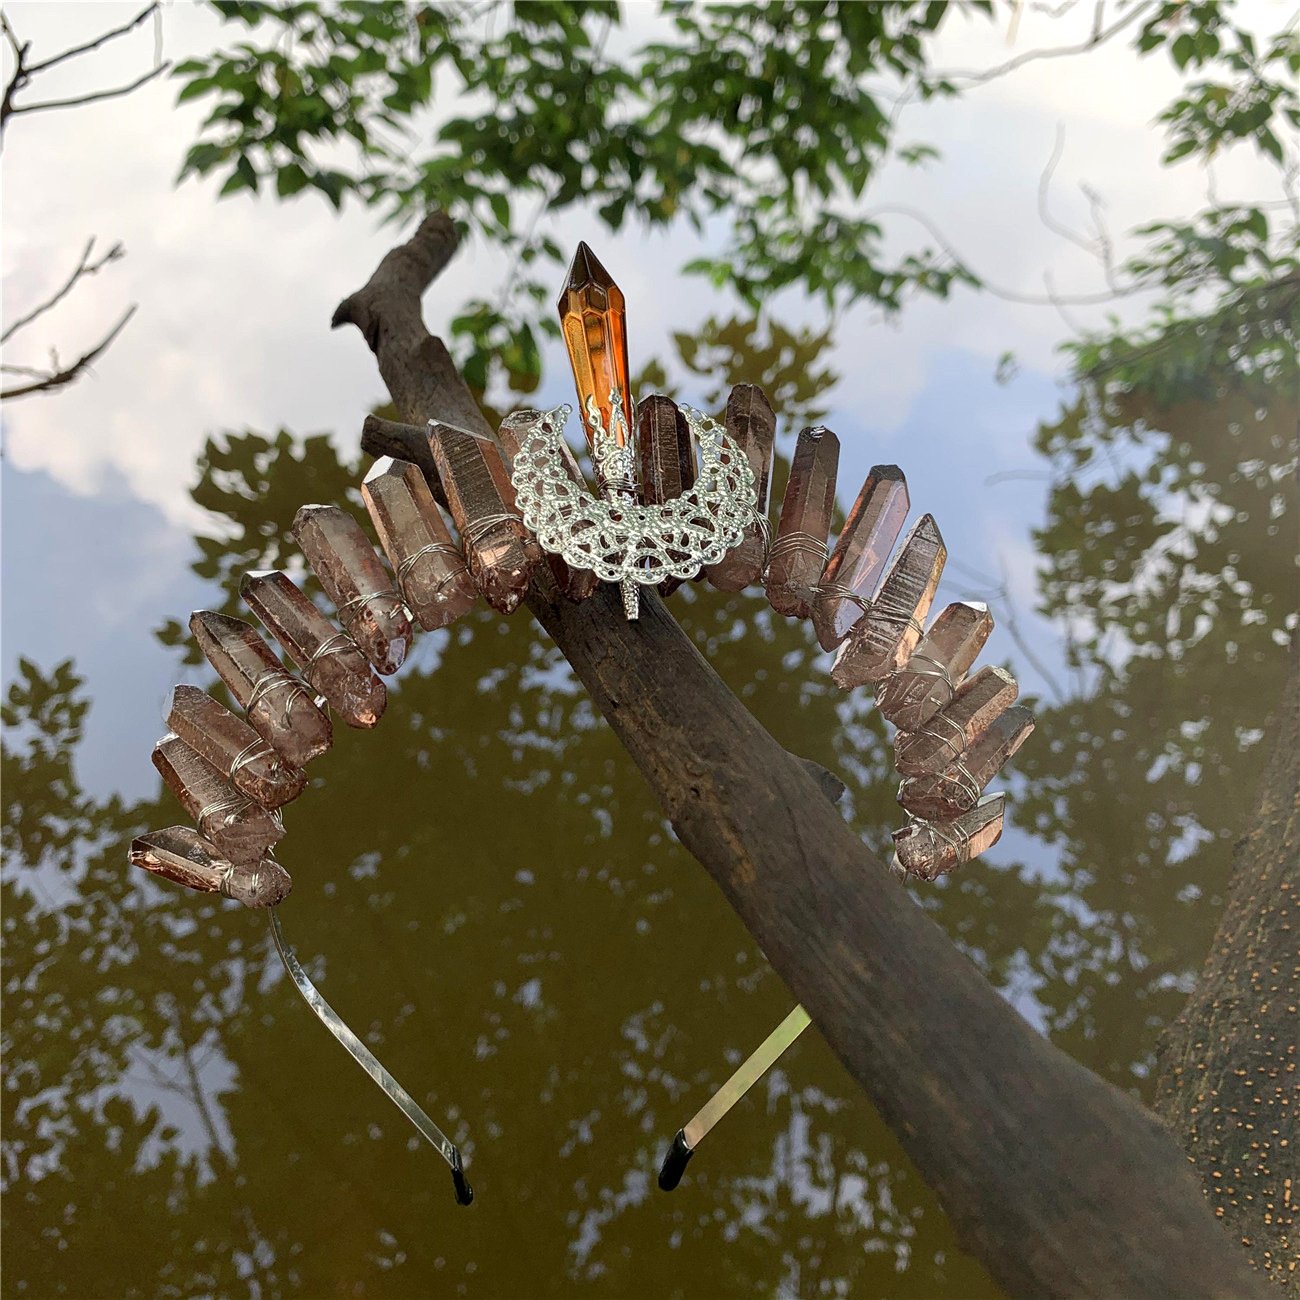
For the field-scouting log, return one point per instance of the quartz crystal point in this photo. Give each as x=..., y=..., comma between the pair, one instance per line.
x=227, y=742
x=929, y=679
x=502, y=554
x=859, y=557
x=355, y=579
x=929, y=850
x=883, y=639
x=799, y=550
x=431, y=571
x=668, y=463
x=184, y=857
x=330, y=661
x=241, y=829
x=576, y=584
x=593, y=319
x=948, y=734
x=941, y=796
x=751, y=425
x=277, y=704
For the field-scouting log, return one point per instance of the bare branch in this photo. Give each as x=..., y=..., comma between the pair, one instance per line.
x=83, y=268
x=62, y=377
x=1098, y=37
x=95, y=97
x=96, y=43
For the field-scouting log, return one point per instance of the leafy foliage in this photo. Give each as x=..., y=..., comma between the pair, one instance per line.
x=760, y=116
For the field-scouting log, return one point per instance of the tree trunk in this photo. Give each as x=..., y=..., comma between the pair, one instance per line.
x=1058, y=1182
x=1227, y=1082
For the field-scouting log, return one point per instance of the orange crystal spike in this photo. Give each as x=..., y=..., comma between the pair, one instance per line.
x=593, y=319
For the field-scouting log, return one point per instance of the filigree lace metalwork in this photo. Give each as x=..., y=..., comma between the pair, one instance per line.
x=620, y=539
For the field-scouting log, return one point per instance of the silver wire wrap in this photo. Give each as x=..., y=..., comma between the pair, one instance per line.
x=903, y=615
x=272, y=680
x=838, y=591
x=476, y=530
x=360, y=1053
x=228, y=808
x=955, y=747
x=956, y=775
x=407, y=566
x=351, y=609
x=938, y=671
x=622, y=540
x=257, y=749
x=797, y=543
x=339, y=643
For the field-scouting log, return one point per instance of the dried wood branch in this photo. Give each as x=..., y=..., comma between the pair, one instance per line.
x=1061, y=1184
x=83, y=268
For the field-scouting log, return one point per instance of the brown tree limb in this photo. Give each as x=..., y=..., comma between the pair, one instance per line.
x=48, y=381
x=1227, y=1070
x=1058, y=1182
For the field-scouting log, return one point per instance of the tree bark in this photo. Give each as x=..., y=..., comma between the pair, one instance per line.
x=1226, y=1081
x=1058, y=1182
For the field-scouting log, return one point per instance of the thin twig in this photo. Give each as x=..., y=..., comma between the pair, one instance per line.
x=61, y=378
x=94, y=98
x=83, y=268
x=1059, y=51
x=96, y=43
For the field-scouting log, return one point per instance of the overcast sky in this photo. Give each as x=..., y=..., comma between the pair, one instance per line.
x=235, y=299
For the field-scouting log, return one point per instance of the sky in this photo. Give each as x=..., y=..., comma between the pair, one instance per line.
x=235, y=298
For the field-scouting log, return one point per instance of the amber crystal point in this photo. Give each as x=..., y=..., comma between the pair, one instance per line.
x=279, y=707
x=941, y=796
x=431, y=571
x=249, y=763
x=241, y=829
x=936, y=668
x=865, y=542
x=750, y=423
x=330, y=661
x=181, y=855
x=799, y=549
x=593, y=322
x=929, y=850
x=502, y=553
x=354, y=578
x=883, y=639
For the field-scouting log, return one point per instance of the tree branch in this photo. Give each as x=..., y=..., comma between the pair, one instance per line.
x=83, y=268
x=93, y=98
x=59, y=378
x=96, y=43
x=1226, y=1080
x=1058, y=1182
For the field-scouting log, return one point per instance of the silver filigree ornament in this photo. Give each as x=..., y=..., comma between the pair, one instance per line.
x=616, y=536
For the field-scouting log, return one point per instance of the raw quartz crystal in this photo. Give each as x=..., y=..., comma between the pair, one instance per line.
x=431, y=572
x=241, y=829
x=883, y=639
x=928, y=850
x=181, y=855
x=502, y=554
x=280, y=709
x=593, y=320
x=751, y=425
x=330, y=661
x=227, y=742
x=941, y=796
x=948, y=734
x=860, y=554
x=666, y=447
x=576, y=584
x=799, y=549
x=929, y=679
x=355, y=579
